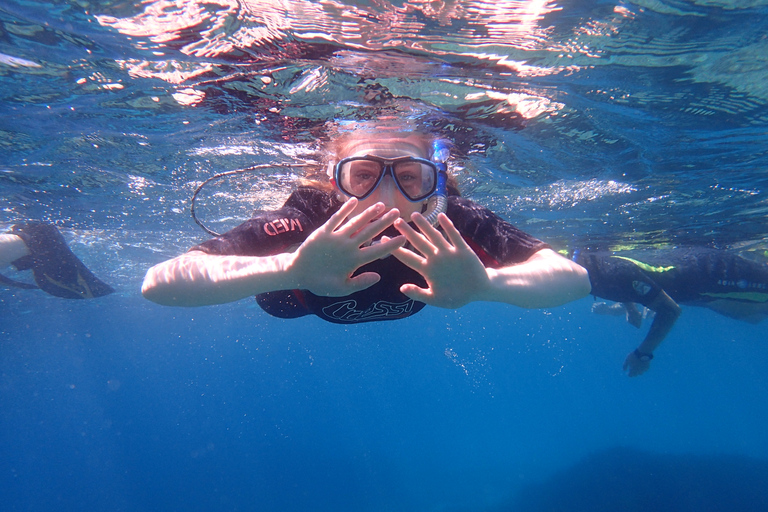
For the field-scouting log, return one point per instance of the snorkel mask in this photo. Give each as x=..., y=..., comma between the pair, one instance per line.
x=418, y=179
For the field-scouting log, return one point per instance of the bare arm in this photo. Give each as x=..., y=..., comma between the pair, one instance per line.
x=456, y=276
x=545, y=280
x=322, y=264
x=200, y=279
x=12, y=247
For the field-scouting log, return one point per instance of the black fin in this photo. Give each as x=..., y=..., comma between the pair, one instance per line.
x=56, y=269
x=7, y=281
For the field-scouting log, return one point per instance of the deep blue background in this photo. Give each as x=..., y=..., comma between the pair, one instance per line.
x=123, y=405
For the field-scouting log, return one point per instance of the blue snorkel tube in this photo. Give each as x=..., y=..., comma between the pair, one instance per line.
x=438, y=201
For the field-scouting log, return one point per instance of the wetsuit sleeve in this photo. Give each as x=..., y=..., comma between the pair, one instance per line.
x=497, y=242
x=619, y=279
x=274, y=232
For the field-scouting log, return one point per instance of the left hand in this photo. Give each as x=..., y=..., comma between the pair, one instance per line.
x=455, y=275
x=634, y=366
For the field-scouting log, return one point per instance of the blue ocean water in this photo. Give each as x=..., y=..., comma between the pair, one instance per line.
x=617, y=123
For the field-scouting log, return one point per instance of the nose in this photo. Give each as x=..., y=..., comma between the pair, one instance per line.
x=386, y=190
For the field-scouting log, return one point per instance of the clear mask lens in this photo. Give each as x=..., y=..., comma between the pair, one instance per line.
x=359, y=176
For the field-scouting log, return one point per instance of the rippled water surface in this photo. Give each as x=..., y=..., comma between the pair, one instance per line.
x=583, y=122
x=634, y=122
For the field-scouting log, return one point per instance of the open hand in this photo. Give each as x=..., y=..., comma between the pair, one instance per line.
x=455, y=275
x=326, y=260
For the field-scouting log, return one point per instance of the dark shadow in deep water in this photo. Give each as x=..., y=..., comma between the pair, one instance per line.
x=626, y=480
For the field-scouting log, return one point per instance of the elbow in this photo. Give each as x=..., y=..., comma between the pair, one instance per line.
x=170, y=283
x=163, y=297
x=672, y=313
x=574, y=284
x=152, y=291
x=568, y=283
x=149, y=290
x=158, y=290
x=665, y=306
x=561, y=280
x=580, y=284
x=583, y=284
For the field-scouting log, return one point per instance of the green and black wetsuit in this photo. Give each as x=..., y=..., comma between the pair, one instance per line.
x=690, y=275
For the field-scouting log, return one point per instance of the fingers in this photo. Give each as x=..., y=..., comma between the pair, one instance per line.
x=361, y=282
x=430, y=239
x=354, y=224
x=430, y=232
x=410, y=259
x=417, y=240
x=451, y=232
x=414, y=292
x=364, y=226
x=337, y=219
x=379, y=250
x=336, y=222
x=369, y=229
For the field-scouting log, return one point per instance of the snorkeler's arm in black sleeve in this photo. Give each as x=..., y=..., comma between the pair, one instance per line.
x=667, y=311
x=623, y=280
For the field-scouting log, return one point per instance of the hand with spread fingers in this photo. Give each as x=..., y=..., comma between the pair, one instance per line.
x=326, y=260
x=455, y=275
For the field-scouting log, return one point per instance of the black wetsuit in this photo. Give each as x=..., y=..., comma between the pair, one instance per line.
x=691, y=275
x=495, y=241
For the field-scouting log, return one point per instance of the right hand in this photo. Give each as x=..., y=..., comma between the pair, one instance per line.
x=325, y=262
x=633, y=366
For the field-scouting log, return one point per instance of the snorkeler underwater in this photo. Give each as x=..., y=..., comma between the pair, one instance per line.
x=347, y=256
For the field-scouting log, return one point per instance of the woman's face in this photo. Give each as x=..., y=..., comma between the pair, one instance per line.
x=387, y=191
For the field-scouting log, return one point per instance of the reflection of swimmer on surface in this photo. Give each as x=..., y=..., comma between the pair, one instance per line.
x=39, y=247
x=661, y=279
x=315, y=255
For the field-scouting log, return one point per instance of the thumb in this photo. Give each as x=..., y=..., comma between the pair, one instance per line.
x=363, y=281
x=414, y=292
